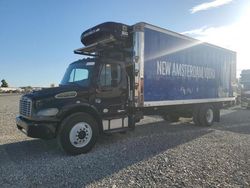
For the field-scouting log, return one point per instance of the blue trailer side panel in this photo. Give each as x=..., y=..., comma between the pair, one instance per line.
x=178, y=68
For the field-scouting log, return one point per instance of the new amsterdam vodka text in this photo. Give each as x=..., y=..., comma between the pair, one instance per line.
x=166, y=68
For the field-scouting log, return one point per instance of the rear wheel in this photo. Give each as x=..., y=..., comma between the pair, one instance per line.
x=78, y=133
x=206, y=115
x=196, y=115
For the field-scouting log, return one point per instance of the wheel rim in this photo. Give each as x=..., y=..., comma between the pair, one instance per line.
x=80, y=134
x=210, y=115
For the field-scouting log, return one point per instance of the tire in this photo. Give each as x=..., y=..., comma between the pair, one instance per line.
x=196, y=114
x=77, y=134
x=206, y=115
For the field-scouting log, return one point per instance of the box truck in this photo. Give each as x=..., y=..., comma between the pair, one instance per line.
x=130, y=71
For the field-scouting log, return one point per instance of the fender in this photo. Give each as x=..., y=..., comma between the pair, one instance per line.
x=82, y=107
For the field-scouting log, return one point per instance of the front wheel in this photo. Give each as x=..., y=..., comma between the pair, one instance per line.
x=78, y=133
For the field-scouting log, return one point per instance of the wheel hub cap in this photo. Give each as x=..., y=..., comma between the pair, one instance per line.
x=210, y=116
x=80, y=134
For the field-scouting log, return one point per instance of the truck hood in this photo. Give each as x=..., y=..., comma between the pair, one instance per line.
x=51, y=92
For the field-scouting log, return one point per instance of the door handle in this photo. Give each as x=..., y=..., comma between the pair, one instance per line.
x=99, y=90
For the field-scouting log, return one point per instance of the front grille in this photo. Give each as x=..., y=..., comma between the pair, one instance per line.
x=25, y=107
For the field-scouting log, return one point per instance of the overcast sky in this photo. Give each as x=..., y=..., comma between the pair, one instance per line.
x=37, y=38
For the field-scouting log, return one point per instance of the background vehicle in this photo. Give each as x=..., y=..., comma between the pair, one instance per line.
x=133, y=71
x=245, y=91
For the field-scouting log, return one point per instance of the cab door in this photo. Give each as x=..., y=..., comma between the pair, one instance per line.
x=112, y=91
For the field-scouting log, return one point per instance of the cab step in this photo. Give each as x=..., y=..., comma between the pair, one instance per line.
x=117, y=130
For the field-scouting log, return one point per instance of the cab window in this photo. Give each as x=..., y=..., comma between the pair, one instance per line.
x=110, y=75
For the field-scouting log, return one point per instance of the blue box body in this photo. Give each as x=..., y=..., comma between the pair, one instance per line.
x=181, y=68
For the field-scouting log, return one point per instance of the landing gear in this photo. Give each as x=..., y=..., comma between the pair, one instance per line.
x=171, y=117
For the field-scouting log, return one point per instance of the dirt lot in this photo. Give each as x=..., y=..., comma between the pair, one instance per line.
x=157, y=154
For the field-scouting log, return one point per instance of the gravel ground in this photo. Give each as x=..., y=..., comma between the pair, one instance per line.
x=156, y=154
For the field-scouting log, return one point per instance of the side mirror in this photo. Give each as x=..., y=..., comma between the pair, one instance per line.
x=135, y=59
x=137, y=68
x=136, y=64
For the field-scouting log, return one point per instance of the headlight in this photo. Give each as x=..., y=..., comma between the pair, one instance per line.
x=48, y=112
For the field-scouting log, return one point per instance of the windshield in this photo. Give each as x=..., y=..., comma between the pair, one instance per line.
x=78, y=73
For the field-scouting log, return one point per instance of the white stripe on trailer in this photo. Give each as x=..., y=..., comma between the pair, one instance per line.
x=188, y=101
